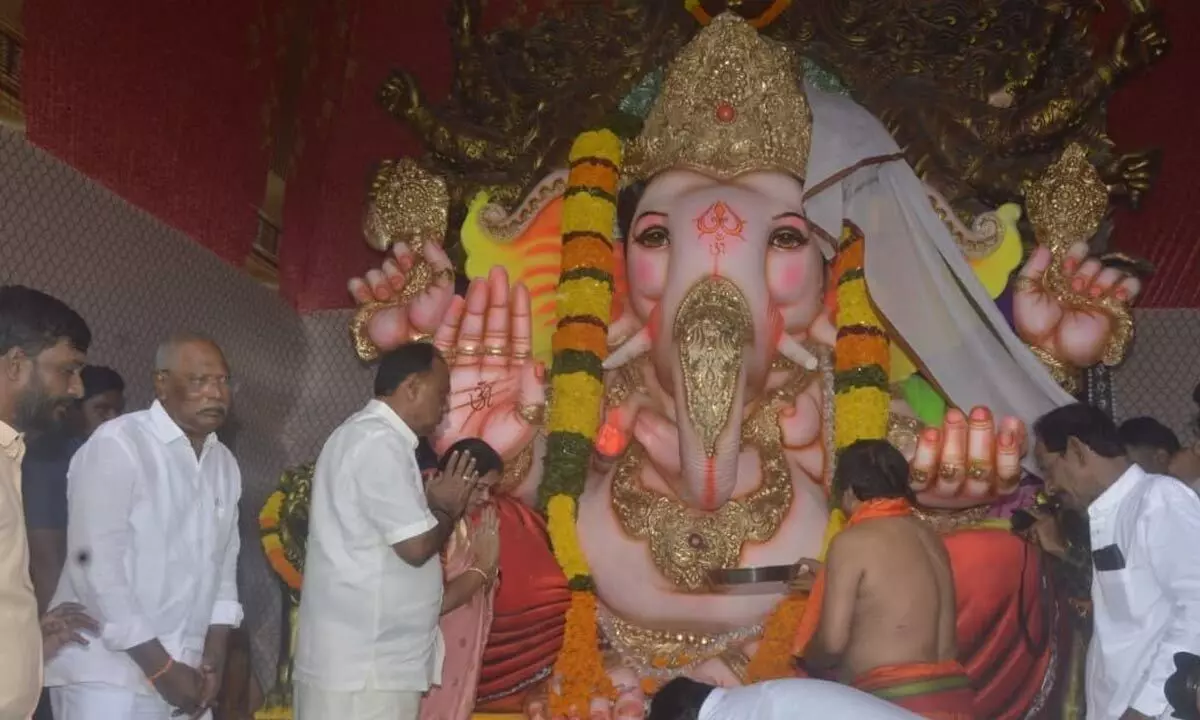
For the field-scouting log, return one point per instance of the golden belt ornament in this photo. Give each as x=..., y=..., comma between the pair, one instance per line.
x=686, y=544
x=665, y=654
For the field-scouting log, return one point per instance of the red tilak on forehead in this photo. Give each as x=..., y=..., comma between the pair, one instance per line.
x=716, y=225
x=719, y=223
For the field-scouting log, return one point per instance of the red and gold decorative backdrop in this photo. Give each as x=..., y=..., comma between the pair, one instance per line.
x=174, y=106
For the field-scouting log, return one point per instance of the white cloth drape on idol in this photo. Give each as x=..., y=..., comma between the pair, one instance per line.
x=916, y=274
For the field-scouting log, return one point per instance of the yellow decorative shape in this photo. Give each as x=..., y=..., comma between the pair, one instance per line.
x=534, y=258
x=854, y=306
x=902, y=366
x=587, y=213
x=995, y=269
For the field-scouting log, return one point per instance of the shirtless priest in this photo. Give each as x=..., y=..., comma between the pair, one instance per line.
x=881, y=613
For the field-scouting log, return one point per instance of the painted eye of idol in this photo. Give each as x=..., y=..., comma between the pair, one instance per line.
x=649, y=232
x=791, y=234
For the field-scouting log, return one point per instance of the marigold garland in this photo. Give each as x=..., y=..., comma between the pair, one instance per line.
x=773, y=658
x=272, y=544
x=583, y=306
x=862, y=351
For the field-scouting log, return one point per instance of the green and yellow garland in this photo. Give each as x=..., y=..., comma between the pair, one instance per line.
x=584, y=302
x=862, y=360
x=862, y=353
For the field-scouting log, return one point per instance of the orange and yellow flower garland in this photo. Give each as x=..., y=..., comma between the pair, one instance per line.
x=268, y=524
x=862, y=353
x=584, y=302
x=773, y=658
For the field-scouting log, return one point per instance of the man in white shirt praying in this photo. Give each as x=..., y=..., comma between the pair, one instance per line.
x=1145, y=529
x=368, y=643
x=152, y=545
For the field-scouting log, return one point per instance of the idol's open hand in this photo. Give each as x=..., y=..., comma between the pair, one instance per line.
x=65, y=624
x=451, y=488
x=497, y=390
x=1075, y=330
x=395, y=313
x=967, y=462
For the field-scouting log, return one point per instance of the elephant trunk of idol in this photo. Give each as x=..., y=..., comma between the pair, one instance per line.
x=712, y=333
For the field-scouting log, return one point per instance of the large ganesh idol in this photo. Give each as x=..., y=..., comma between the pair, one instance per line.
x=776, y=285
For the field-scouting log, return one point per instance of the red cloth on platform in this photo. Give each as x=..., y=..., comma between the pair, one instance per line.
x=529, y=607
x=1005, y=671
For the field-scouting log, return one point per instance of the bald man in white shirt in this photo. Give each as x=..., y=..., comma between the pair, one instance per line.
x=152, y=546
x=368, y=642
x=1145, y=529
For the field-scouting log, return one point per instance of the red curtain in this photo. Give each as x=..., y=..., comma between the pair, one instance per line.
x=172, y=105
x=1155, y=110
x=162, y=102
x=344, y=134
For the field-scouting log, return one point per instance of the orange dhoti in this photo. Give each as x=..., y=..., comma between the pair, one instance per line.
x=936, y=691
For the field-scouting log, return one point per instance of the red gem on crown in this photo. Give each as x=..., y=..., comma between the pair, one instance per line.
x=726, y=113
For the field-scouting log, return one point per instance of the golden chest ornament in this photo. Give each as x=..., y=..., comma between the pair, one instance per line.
x=687, y=544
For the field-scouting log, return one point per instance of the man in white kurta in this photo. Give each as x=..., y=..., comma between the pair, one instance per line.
x=368, y=643
x=152, y=545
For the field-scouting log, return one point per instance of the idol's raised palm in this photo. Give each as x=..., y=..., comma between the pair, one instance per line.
x=496, y=388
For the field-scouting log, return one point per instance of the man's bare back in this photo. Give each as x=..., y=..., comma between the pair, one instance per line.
x=902, y=605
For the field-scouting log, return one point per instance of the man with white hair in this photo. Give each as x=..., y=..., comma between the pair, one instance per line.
x=152, y=545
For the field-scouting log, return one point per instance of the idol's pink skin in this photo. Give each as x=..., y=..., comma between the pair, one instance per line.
x=674, y=244
x=688, y=228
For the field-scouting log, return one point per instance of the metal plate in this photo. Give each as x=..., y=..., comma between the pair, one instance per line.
x=754, y=575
